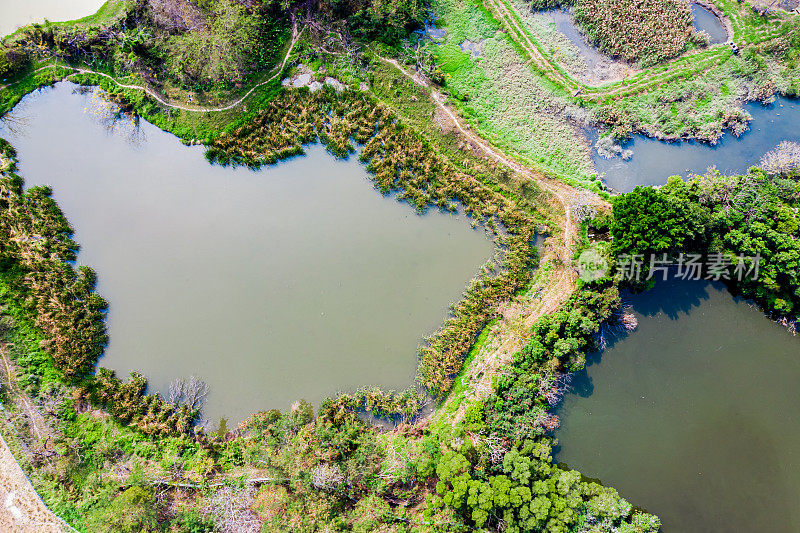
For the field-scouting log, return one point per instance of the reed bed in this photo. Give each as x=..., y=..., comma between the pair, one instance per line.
x=637, y=31
x=36, y=255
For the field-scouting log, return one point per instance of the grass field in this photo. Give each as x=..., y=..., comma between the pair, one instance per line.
x=508, y=102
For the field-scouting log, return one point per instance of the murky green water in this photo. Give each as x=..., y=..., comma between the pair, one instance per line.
x=695, y=416
x=293, y=282
x=654, y=161
x=16, y=13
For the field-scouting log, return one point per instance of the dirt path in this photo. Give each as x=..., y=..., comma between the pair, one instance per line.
x=161, y=100
x=21, y=508
x=556, y=289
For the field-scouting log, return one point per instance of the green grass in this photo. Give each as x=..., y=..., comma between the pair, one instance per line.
x=503, y=98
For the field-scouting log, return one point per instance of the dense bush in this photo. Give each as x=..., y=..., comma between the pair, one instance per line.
x=224, y=51
x=526, y=492
x=11, y=61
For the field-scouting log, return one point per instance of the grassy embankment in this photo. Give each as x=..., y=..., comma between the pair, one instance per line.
x=697, y=95
x=509, y=104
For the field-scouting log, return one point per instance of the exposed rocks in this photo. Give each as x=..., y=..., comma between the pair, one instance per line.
x=305, y=77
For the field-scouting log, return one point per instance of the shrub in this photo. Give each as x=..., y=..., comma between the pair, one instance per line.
x=11, y=61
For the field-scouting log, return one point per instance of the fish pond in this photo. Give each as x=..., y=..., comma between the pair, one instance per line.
x=695, y=415
x=295, y=281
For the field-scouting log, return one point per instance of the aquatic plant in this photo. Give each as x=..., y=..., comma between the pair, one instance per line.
x=641, y=32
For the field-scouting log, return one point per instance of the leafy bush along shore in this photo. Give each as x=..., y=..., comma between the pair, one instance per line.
x=36, y=251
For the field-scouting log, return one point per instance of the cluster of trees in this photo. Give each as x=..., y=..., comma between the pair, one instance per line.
x=530, y=384
x=401, y=161
x=751, y=215
x=525, y=491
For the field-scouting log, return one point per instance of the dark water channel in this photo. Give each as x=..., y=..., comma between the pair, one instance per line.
x=695, y=416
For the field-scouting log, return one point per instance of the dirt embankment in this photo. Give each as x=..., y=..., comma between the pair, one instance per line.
x=21, y=508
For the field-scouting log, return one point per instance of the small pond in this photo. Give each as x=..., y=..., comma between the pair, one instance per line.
x=695, y=416
x=296, y=281
x=654, y=161
x=565, y=24
x=17, y=13
x=705, y=20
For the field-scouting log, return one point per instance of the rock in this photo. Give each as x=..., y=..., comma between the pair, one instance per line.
x=303, y=80
x=315, y=86
x=336, y=84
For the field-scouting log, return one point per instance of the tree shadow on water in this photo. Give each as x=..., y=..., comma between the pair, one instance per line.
x=673, y=297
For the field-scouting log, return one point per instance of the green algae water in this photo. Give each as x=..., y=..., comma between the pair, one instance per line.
x=296, y=281
x=695, y=416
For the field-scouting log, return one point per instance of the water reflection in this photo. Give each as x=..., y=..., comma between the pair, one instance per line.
x=694, y=416
x=653, y=161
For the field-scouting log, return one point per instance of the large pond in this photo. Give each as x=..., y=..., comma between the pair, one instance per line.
x=695, y=416
x=293, y=282
x=17, y=13
x=654, y=161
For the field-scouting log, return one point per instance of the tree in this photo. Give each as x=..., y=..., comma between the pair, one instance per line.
x=649, y=221
x=220, y=52
x=783, y=161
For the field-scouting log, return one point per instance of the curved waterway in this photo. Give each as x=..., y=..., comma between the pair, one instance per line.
x=654, y=161
x=17, y=13
x=705, y=20
x=296, y=281
x=694, y=416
